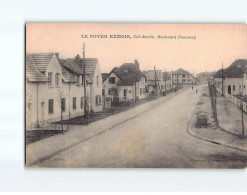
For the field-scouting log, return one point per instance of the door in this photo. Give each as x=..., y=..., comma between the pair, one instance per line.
x=125, y=94
x=229, y=89
x=42, y=114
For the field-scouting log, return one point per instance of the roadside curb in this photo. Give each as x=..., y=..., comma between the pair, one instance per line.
x=222, y=143
x=48, y=155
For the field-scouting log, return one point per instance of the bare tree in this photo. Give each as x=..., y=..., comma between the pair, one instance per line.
x=59, y=97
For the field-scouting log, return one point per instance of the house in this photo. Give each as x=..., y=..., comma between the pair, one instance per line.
x=234, y=78
x=182, y=77
x=93, y=78
x=204, y=77
x=54, y=87
x=167, y=80
x=154, y=81
x=126, y=82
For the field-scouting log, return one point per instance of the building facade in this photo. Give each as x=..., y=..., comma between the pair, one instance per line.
x=55, y=90
x=126, y=82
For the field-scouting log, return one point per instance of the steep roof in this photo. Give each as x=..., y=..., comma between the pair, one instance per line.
x=166, y=76
x=104, y=76
x=235, y=70
x=180, y=71
x=33, y=74
x=128, y=74
x=68, y=77
x=41, y=60
x=151, y=75
x=76, y=65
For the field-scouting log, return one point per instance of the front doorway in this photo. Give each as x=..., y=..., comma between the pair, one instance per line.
x=125, y=94
x=229, y=89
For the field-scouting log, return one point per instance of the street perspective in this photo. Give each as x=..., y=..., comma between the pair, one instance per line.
x=118, y=95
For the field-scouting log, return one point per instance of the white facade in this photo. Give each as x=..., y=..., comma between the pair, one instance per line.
x=43, y=99
x=112, y=89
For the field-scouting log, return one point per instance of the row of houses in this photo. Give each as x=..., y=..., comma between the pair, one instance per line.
x=55, y=86
x=233, y=79
x=128, y=82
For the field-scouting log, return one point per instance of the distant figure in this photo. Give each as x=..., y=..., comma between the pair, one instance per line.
x=192, y=87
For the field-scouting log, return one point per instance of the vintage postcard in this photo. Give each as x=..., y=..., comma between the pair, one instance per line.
x=116, y=95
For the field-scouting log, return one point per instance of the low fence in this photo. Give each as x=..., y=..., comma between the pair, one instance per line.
x=50, y=127
x=237, y=102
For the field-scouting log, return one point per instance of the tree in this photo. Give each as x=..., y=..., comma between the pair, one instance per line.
x=59, y=98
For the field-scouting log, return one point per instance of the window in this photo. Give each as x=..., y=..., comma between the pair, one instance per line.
x=74, y=102
x=112, y=80
x=57, y=79
x=82, y=100
x=129, y=91
x=140, y=91
x=183, y=75
x=233, y=88
x=63, y=104
x=97, y=80
x=50, y=78
x=50, y=109
x=98, y=100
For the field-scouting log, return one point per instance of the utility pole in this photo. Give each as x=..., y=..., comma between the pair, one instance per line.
x=84, y=82
x=222, y=80
x=242, y=104
x=156, y=77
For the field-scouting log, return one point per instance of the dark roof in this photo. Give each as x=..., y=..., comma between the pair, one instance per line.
x=41, y=60
x=76, y=65
x=128, y=74
x=151, y=75
x=235, y=70
x=104, y=76
x=166, y=76
x=180, y=71
x=68, y=77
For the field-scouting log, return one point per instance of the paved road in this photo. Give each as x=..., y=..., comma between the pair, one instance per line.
x=156, y=138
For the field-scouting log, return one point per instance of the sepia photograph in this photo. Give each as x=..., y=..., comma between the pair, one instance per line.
x=135, y=95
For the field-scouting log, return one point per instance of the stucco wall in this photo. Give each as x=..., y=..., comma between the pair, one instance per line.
x=39, y=100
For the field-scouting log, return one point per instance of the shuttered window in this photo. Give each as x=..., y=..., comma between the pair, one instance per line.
x=63, y=104
x=98, y=100
x=74, y=102
x=51, y=110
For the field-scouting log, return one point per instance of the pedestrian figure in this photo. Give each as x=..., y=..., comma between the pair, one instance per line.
x=192, y=87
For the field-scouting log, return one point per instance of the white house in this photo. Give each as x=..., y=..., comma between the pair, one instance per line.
x=53, y=89
x=182, y=77
x=126, y=82
x=234, y=78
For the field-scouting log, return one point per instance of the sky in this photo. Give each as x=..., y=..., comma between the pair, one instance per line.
x=214, y=44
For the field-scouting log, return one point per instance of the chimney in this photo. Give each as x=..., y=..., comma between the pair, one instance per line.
x=137, y=64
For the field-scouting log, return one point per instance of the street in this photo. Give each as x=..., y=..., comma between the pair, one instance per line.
x=157, y=138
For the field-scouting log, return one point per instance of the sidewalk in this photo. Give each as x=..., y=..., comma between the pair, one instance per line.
x=44, y=149
x=228, y=119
